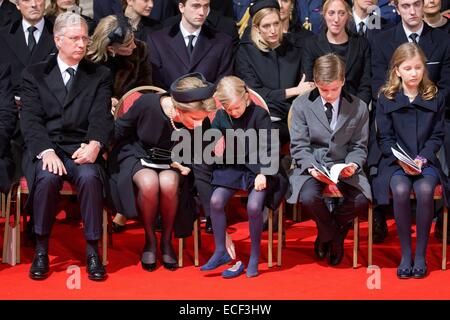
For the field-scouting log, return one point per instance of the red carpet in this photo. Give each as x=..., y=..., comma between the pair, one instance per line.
x=300, y=277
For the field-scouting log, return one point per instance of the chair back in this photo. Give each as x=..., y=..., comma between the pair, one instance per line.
x=131, y=96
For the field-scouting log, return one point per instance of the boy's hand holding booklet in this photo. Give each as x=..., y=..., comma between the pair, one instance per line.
x=406, y=162
x=331, y=176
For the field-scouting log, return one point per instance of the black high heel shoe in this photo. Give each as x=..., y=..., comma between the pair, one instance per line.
x=148, y=266
x=172, y=266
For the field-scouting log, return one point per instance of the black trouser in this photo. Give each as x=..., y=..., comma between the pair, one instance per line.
x=86, y=178
x=352, y=204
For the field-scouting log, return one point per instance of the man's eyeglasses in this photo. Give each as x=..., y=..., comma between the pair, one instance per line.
x=77, y=39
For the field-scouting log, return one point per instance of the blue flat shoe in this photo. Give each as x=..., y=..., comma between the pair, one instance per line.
x=211, y=265
x=234, y=271
x=419, y=273
x=405, y=273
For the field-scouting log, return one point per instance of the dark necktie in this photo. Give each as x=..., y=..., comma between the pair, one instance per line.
x=329, y=111
x=71, y=72
x=413, y=37
x=31, y=39
x=190, y=45
x=361, y=29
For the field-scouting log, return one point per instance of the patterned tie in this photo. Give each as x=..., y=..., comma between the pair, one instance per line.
x=31, y=39
x=361, y=32
x=71, y=72
x=329, y=111
x=413, y=37
x=190, y=46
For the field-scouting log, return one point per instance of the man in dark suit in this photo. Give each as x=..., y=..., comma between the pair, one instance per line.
x=367, y=20
x=8, y=119
x=436, y=46
x=8, y=13
x=26, y=41
x=190, y=46
x=65, y=121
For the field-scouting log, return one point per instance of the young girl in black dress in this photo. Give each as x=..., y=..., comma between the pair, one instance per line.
x=410, y=115
x=238, y=113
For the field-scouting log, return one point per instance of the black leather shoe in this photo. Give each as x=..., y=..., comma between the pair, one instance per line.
x=321, y=248
x=148, y=266
x=405, y=273
x=336, y=253
x=419, y=273
x=208, y=226
x=40, y=267
x=148, y=256
x=380, y=229
x=117, y=227
x=96, y=270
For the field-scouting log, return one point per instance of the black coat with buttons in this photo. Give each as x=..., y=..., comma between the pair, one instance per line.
x=417, y=127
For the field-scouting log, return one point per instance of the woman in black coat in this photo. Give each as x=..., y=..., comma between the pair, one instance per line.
x=410, y=116
x=141, y=168
x=354, y=50
x=138, y=12
x=271, y=65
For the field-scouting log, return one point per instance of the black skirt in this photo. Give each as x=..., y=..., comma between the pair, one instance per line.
x=233, y=177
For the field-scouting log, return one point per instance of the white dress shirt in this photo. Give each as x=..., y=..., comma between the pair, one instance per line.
x=409, y=32
x=186, y=34
x=358, y=20
x=37, y=33
x=63, y=69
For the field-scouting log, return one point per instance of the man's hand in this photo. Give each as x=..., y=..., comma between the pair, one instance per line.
x=260, y=182
x=349, y=171
x=86, y=153
x=52, y=163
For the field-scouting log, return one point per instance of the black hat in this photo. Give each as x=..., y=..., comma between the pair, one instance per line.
x=255, y=6
x=195, y=94
x=119, y=33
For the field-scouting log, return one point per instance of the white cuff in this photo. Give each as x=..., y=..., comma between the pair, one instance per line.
x=40, y=155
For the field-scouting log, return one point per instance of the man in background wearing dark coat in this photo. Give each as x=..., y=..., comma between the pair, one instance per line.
x=190, y=46
x=65, y=121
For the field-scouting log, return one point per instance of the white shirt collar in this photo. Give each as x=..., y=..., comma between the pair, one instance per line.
x=63, y=66
x=186, y=33
x=39, y=26
x=358, y=20
x=409, y=32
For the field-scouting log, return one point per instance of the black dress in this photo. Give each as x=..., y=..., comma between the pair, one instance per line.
x=140, y=131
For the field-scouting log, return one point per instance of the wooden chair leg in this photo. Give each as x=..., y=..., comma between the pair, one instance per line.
x=17, y=223
x=370, y=240
x=110, y=232
x=196, y=236
x=295, y=212
x=270, y=236
x=280, y=233
x=355, y=241
x=105, y=238
x=180, y=252
x=3, y=205
x=444, y=239
x=7, y=228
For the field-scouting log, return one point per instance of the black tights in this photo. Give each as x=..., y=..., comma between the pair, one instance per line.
x=424, y=189
x=157, y=192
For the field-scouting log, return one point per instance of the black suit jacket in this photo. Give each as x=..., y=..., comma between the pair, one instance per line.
x=434, y=43
x=51, y=119
x=8, y=13
x=8, y=119
x=103, y=8
x=212, y=55
x=14, y=50
x=216, y=21
x=357, y=62
x=8, y=109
